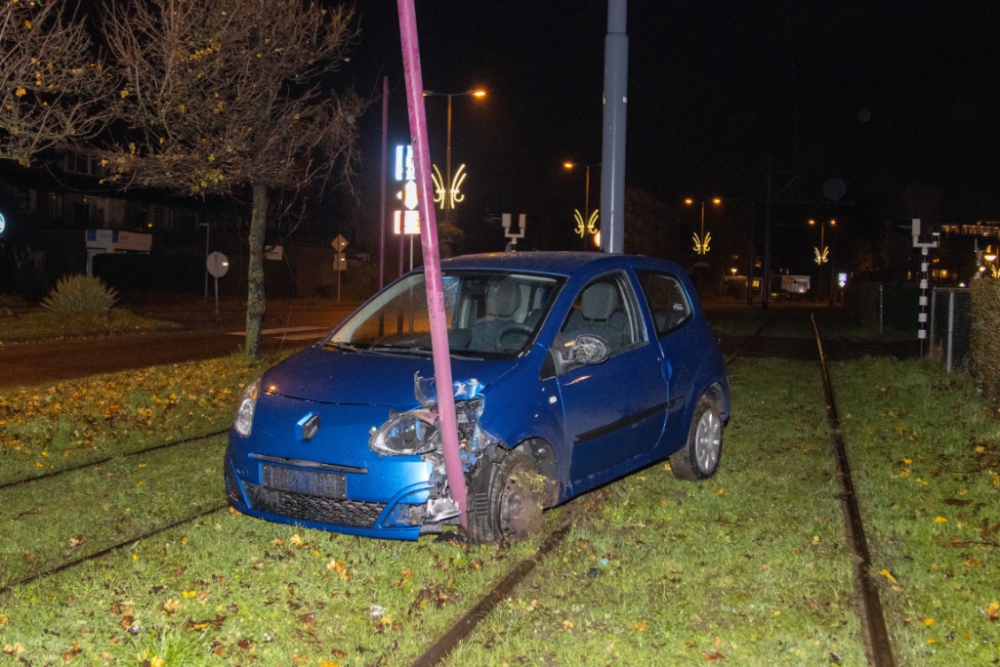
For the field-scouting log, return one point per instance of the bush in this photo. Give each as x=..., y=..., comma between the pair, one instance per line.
x=986, y=334
x=80, y=294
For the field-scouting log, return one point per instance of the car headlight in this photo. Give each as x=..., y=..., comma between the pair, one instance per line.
x=413, y=432
x=248, y=405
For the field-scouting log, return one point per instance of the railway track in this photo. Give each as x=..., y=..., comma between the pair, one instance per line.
x=869, y=605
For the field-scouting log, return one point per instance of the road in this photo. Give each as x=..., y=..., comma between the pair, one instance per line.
x=57, y=360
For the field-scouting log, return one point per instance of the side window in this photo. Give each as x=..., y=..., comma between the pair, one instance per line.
x=604, y=308
x=668, y=302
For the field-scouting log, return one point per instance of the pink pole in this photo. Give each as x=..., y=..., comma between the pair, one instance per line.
x=432, y=257
x=381, y=210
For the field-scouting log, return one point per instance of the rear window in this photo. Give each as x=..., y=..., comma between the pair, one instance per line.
x=668, y=302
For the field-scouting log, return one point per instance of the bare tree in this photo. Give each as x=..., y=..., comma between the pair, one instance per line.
x=53, y=86
x=221, y=96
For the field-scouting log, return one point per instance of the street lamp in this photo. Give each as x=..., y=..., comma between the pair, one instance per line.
x=477, y=93
x=586, y=224
x=701, y=242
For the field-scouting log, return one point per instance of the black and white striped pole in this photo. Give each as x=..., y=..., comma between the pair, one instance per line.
x=922, y=239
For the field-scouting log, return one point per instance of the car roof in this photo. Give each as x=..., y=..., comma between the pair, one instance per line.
x=554, y=262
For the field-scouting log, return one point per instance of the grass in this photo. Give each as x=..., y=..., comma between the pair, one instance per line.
x=48, y=428
x=44, y=324
x=792, y=322
x=750, y=566
x=925, y=450
x=71, y=516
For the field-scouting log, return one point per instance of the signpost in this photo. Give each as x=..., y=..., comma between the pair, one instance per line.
x=218, y=265
x=339, y=260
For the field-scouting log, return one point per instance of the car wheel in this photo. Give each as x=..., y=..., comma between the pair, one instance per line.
x=506, y=499
x=699, y=457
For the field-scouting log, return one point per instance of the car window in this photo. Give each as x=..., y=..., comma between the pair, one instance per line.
x=604, y=308
x=488, y=313
x=668, y=302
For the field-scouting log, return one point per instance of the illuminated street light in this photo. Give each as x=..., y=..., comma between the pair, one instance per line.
x=586, y=223
x=701, y=241
x=452, y=197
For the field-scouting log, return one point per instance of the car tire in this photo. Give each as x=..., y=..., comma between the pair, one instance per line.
x=506, y=499
x=699, y=457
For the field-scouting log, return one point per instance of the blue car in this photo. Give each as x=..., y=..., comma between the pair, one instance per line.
x=570, y=369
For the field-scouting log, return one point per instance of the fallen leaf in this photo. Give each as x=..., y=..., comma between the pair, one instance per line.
x=940, y=519
x=640, y=625
x=713, y=657
x=928, y=622
x=888, y=575
x=993, y=611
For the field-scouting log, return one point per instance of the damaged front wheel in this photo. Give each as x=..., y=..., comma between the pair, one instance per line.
x=506, y=499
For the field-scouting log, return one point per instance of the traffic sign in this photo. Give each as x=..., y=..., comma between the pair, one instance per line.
x=339, y=243
x=217, y=264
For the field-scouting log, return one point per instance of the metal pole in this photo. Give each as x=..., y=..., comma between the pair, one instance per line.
x=951, y=325
x=766, y=287
x=432, y=258
x=446, y=198
x=216, y=295
x=615, y=110
x=881, y=302
x=586, y=205
x=934, y=293
x=922, y=317
x=381, y=210
x=208, y=226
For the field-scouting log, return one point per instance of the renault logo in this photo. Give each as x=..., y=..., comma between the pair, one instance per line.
x=307, y=427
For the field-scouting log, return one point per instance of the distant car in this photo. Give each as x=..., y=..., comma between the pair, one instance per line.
x=570, y=369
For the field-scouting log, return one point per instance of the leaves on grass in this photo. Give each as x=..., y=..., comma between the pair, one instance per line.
x=888, y=575
x=714, y=656
x=993, y=611
x=202, y=626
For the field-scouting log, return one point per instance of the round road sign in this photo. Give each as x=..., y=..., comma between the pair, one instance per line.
x=217, y=264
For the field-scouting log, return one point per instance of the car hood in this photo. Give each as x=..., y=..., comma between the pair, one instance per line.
x=359, y=378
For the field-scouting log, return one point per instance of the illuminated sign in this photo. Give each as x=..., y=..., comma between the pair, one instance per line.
x=590, y=227
x=3, y=223
x=453, y=195
x=821, y=257
x=407, y=220
x=701, y=247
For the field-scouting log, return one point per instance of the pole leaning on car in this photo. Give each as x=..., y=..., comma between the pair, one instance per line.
x=432, y=258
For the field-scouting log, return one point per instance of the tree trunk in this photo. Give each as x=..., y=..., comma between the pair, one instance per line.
x=255, y=277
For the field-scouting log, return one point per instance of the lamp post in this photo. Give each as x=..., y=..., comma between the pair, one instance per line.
x=822, y=253
x=701, y=242
x=477, y=93
x=587, y=223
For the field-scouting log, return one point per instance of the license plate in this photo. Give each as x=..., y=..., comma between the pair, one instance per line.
x=308, y=482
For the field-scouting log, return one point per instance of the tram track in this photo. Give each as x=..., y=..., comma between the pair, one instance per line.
x=81, y=466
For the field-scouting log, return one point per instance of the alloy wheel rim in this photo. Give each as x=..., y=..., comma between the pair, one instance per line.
x=708, y=441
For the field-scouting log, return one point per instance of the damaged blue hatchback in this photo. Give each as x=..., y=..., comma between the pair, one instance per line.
x=571, y=369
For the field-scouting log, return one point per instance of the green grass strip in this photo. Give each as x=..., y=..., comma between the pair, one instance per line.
x=52, y=427
x=44, y=324
x=749, y=568
x=925, y=453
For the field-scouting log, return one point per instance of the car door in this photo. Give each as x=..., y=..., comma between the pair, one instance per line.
x=614, y=411
x=670, y=310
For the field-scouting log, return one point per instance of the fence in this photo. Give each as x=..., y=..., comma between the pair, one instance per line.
x=950, y=325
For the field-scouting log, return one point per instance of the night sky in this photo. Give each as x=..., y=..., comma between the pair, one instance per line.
x=888, y=97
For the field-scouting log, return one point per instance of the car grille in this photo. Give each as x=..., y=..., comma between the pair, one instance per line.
x=354, y=513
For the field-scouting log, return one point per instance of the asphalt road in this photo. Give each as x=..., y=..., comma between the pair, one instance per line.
x=33, y=363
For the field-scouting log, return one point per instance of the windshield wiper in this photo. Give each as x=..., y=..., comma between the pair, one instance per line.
x=343, y=347
x=401, y=349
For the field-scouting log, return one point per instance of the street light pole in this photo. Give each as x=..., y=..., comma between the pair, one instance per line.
x=586, y=192
x=478, y=92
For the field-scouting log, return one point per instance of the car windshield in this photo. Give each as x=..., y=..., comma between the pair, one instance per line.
x=490, y=314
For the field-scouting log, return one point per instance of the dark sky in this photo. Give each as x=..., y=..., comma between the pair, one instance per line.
x=883, y=95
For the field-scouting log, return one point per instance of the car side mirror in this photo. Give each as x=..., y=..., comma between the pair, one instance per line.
x=585, y=349
x=589, y=350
